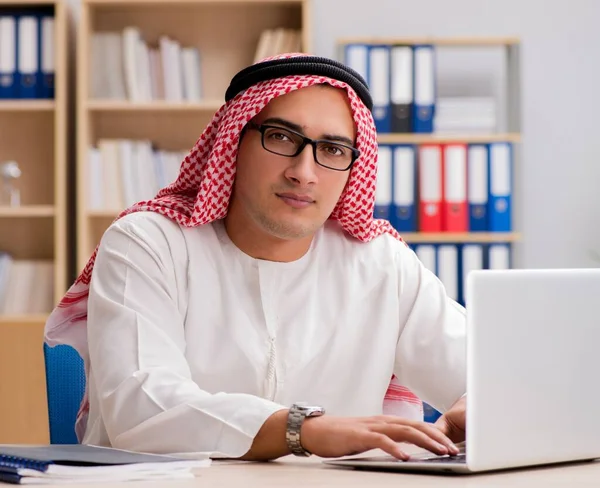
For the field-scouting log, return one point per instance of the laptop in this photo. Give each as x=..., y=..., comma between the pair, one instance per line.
x=533, y=374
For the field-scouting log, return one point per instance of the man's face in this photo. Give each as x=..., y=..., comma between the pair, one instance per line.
x=291, y=197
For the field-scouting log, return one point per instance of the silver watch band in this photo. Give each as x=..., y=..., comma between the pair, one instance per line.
x=296, y=417
x=294, y=423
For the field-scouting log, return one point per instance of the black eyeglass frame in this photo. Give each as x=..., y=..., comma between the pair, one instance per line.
x=305, y=140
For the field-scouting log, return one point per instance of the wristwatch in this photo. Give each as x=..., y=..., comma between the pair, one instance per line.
x=297, y=414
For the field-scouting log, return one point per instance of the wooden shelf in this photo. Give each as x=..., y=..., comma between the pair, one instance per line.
x=28, y=211
x=412, y=138
x=154, y=106
x=23, y=319
x=28, y=237
x=128, y=3
x=27, y=105
x=438, y=41
x=226, y=34
x=460, y=237
x=34, y=133
x=33, y=3
x=23, y=396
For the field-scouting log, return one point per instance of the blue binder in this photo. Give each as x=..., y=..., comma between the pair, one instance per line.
x=383, y=189
x=498, y=256
x=477, y=190
x=8, y=54
x=424, y=88
x=428, y=255
x=404, y=177
x=500, y=187
x=27, y=55
x=356, y=56
x=472, y=257
x=379, y=84
x=46, y=53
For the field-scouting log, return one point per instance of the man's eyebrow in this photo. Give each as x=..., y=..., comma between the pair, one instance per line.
x=298, y=128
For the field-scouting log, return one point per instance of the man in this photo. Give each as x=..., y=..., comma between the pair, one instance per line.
x=258, y=280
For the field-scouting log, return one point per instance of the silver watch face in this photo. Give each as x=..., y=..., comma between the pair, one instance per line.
x=311, y=410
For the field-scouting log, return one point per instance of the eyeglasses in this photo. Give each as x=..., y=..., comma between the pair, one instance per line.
x=289, y=143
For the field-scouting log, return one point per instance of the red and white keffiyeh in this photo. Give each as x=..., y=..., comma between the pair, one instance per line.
x=201, y=195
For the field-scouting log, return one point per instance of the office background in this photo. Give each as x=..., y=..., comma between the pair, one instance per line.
x=555, y=199
x=556, y=185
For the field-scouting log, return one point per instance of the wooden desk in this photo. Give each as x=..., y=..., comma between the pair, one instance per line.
x=311, y=473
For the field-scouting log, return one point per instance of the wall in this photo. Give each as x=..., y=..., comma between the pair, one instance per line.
x=557, y=197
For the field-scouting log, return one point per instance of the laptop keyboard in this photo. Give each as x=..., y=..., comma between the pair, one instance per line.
x=459, y=458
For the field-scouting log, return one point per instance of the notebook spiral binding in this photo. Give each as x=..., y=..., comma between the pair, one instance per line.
x=13, y=463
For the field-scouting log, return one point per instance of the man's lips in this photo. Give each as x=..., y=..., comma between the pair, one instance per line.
x=296, y=201
x=294, y=196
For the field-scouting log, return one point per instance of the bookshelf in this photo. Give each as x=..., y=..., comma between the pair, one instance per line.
x=511, y=47
x=462, y=237
x=447, y=138
x=433, y=40
x=394, y=76
x=33, y=132
x=226, y=35
x=373, y=57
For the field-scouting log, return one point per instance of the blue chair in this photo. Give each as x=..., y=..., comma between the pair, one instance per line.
x=430, y=414
x=65, y=386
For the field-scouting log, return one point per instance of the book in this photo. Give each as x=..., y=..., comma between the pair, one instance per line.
x=69, y=463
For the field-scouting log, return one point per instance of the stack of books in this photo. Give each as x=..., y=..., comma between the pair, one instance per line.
x=66, y=463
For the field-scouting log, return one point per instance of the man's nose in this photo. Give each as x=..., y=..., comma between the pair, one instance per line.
x=303, y=167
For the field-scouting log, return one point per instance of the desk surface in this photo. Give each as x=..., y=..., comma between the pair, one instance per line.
x=302, y=473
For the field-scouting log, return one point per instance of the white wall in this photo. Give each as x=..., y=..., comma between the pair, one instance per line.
x=557, y=197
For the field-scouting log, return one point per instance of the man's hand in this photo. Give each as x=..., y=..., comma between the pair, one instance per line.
x=453, y=422
x=330, y=436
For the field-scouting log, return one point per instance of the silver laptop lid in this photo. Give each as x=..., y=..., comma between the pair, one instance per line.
x=533, y=359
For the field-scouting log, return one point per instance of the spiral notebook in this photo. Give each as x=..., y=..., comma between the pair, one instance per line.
x=67, y=463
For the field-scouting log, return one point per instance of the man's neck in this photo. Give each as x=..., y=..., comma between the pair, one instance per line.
x=260, y=245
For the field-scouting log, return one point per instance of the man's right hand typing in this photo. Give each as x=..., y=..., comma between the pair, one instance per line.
x=331, y=436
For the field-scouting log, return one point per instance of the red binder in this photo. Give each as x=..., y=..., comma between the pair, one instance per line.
x=455, y=209
x=430, y=187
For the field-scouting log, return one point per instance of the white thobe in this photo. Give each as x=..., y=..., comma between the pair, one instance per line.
x=194, y=344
